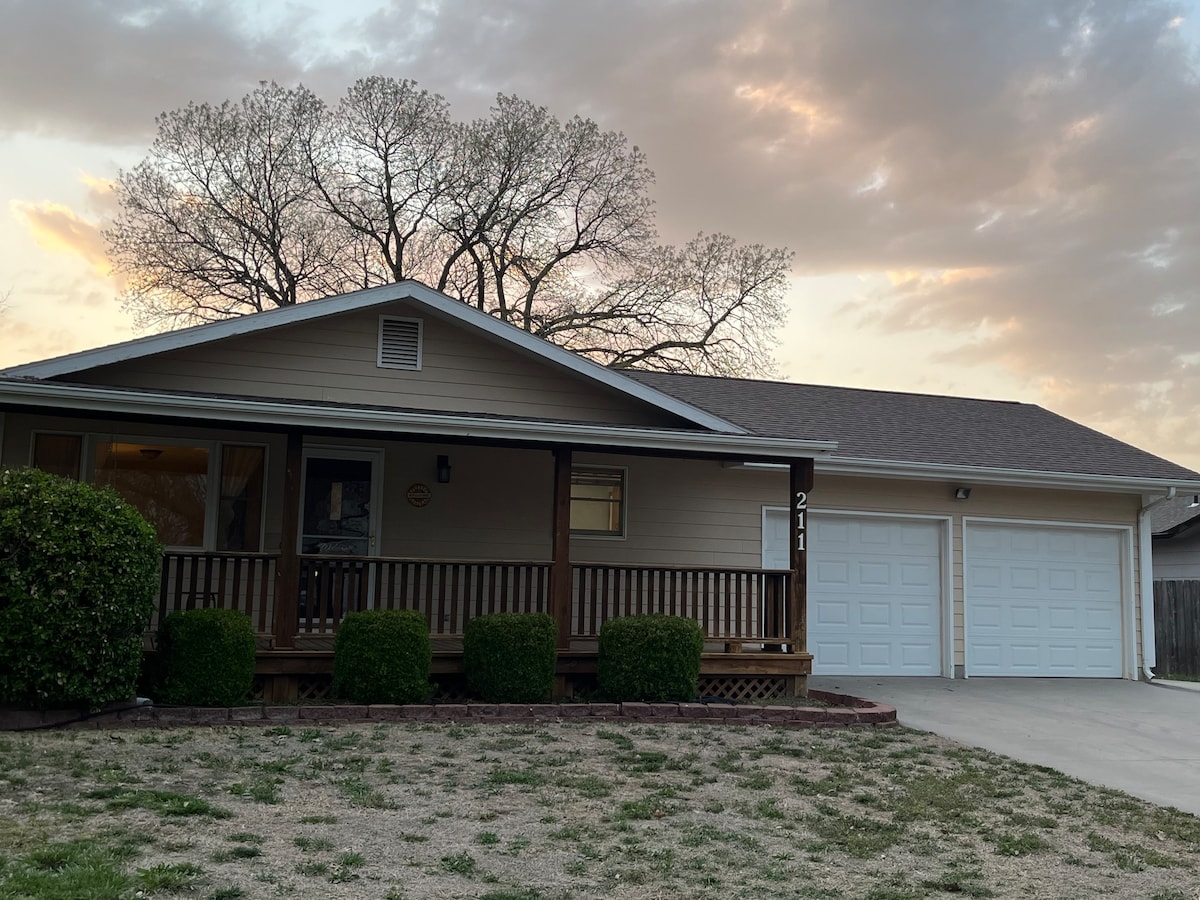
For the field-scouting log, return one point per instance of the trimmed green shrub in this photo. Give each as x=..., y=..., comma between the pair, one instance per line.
x=650, y=658
x=382, y=656
x=206, y=657
x=509, y=657
x=79, y=571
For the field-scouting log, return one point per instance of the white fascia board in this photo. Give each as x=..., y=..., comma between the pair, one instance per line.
x=973, y=475
x=85, y=398
x=410, y=291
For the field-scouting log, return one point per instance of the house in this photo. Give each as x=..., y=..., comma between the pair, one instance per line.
x=396, y=448
x=1176, y=538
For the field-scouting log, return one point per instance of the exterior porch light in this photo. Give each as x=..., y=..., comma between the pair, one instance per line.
x=962, y=493
x=443, y=469
x=1195, y=501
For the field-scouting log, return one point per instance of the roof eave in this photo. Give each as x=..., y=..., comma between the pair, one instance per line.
x=290, y=414
x=1009, y=477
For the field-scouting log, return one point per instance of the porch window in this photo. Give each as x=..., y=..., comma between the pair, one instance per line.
x=167, y=483
x=58, y=454
x=598, y=501
x=239, y=512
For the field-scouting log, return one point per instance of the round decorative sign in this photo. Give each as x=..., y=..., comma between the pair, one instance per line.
x=419, y=494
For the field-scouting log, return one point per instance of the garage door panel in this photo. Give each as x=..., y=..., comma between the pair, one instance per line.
x=874, y=592
x=1043, y=600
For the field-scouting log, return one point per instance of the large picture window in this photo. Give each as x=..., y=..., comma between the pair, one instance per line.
x=598, y=501
x=172, y=485
x=58, y=454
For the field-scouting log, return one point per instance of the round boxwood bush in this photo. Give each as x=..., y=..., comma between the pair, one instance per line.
x=652, y=657
x=206, y=657
x=382, y=656
x=509, y=657
x=79, y=571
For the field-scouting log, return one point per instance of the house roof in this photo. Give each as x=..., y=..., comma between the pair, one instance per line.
x=1175, y=515
x=431, y=301
x=889, y=427
x=847, y=429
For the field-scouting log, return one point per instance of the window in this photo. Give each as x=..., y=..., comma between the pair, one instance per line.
x=171, y=485
x=58, y=454
x=598, y=501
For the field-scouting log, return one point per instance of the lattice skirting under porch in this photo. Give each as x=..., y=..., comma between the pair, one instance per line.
x=744, y=688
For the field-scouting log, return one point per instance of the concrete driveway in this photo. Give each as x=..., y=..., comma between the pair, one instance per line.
x=1140, y=738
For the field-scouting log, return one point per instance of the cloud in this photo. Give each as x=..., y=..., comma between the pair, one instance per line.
x=1021, y=176
x=101, y=70
x=59, y=229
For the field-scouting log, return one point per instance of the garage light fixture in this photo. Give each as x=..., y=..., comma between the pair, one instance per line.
x=962, y=493
x=1195, y=501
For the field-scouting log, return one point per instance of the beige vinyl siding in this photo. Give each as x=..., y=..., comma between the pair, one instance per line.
x=1178, y=557
x=335, y=360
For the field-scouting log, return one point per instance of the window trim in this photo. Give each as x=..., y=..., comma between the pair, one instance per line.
x=604, y=535
x=212, y=501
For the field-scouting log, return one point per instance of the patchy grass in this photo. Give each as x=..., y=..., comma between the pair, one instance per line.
x=524, y=812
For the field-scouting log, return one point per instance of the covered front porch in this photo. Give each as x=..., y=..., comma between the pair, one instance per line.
x=753, y=617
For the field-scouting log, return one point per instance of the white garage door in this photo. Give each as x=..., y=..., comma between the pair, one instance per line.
x=1042, y=601
x=874, y=592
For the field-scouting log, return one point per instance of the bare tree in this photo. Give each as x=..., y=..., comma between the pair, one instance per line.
x=544, y=224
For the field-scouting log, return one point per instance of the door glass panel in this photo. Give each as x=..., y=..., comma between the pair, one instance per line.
x=337, y=507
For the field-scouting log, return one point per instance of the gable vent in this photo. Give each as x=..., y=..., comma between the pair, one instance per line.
x=399, y=343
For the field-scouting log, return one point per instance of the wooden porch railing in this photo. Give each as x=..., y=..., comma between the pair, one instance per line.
x=449, y=592
x=731, y=605
x=196, y=580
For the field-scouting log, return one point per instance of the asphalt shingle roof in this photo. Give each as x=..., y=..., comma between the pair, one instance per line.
x=918, y=428
x=1174, y=515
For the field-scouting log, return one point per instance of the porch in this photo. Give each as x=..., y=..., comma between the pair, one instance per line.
x=744, y=613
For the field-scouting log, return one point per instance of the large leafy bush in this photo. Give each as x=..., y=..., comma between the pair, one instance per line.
x=79, y=570
x=509, y=657
x=206, y=657
x=382, y=656
x=652, y=657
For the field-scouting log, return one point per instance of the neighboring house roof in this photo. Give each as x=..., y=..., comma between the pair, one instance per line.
x=899, y=429
x=1176, y=515
x=431, y=301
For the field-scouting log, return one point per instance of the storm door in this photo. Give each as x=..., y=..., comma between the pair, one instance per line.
x=339, y=531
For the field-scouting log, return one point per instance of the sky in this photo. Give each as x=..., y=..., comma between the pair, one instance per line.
x=990, y=199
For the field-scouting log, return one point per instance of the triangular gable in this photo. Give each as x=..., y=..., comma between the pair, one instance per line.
x=198, y=345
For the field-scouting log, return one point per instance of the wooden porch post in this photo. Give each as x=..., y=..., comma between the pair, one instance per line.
x=287, y=572
x=560, y=568
x=801, y=483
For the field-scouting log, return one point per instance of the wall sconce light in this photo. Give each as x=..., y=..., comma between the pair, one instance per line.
x=443, y=469
x=1195, y=501
x=962, y=493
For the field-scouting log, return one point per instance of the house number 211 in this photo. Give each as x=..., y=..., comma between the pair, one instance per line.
x=801, y=509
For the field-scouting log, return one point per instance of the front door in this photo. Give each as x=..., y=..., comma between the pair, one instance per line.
x=339, y=520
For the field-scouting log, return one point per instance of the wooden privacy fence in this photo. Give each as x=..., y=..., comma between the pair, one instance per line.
x=1177, y=627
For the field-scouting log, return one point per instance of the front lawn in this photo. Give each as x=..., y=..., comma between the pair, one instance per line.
x=517, y=812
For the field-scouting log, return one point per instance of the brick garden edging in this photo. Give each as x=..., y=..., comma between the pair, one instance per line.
x=844, y=711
